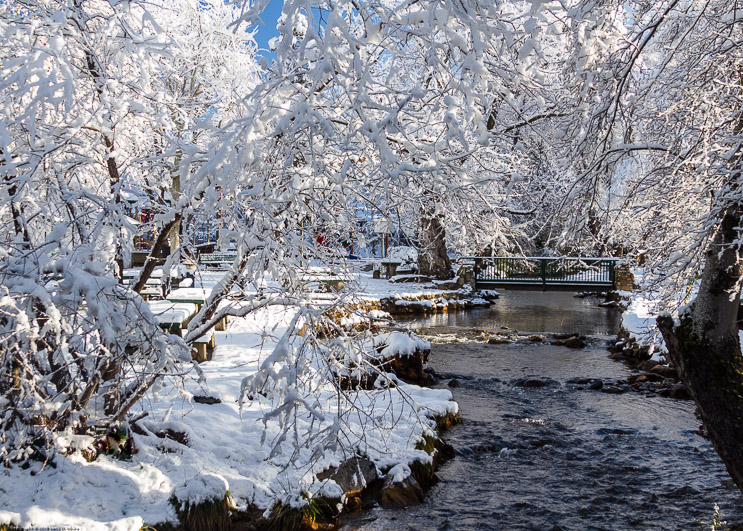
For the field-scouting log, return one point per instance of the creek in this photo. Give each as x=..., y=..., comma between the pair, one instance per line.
x=561, y=456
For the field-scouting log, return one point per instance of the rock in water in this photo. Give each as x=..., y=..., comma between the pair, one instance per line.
x=575, y=342
x=533, y=382
x=647, y=365
x=402, y=493
x=680, y=392
x=665, y=371
x=612, y=389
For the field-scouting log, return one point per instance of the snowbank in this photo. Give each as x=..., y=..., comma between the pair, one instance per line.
x=408, y=256
x=191, y=448
x=638, y=321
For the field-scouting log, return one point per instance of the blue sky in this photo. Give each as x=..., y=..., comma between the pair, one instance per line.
x=268, y=30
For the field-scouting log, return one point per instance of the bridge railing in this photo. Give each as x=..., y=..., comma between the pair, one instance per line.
x=544, y=271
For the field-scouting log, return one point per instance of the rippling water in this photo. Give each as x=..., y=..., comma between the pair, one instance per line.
x=557, y=457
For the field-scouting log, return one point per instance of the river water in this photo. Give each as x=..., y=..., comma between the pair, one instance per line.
x=559, y=457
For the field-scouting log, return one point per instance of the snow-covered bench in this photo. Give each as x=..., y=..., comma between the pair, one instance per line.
x=173, y=316
x=326, y=280
x=155, y=277
x=151, y=293
x=217, y=259
x=202, y=346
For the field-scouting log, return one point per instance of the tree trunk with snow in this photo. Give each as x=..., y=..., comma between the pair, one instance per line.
x=432, y=258
x=705, y=347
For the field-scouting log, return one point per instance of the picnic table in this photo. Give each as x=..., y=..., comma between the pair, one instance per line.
x=173, y=317
x=192, y=295
x=198, y=297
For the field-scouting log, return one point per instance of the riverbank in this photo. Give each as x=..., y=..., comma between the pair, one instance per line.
x=212, y=446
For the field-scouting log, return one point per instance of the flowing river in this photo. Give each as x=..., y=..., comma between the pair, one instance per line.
x=560, y=456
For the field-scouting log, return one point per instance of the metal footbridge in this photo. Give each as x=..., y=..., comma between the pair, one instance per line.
x=545, y=273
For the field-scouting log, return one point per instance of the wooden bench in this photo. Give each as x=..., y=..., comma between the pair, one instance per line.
x=202, y=346
x=328, y=281
x=217, y=259
x=151, y=293
x=173, y=316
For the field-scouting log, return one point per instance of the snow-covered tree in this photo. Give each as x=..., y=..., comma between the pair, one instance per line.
x=428, y=109
x=634, y=106
x=86, y=109
x=658, y=87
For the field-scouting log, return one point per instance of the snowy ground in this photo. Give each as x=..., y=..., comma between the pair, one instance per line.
x=224, y=447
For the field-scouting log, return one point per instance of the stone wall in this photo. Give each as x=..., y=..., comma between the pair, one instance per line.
x=625, y=280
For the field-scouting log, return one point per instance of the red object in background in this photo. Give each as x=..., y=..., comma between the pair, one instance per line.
x=146, y=215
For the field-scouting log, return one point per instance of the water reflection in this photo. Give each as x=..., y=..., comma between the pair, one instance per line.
x=533, y=311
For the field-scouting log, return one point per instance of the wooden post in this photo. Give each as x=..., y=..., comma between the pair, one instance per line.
x=199, y=352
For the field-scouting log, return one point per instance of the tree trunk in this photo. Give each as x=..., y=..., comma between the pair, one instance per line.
x=175, y=192
x=705, y=348
x=432, y=258
x=151, y=261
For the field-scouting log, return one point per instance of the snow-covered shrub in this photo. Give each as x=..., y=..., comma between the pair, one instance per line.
x=77, y=350
x=78, y=125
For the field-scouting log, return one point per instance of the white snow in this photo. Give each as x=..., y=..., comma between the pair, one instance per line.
x=195, y=294
x=378, y=315
x=407, y=256
x=201, y=488
x=639, y=322
x=172, y=312
x=224, y=444
x=400, y=344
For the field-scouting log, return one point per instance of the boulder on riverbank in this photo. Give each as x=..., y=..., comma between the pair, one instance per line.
x=398, y=353
x=404, y=355
x=352, y=475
